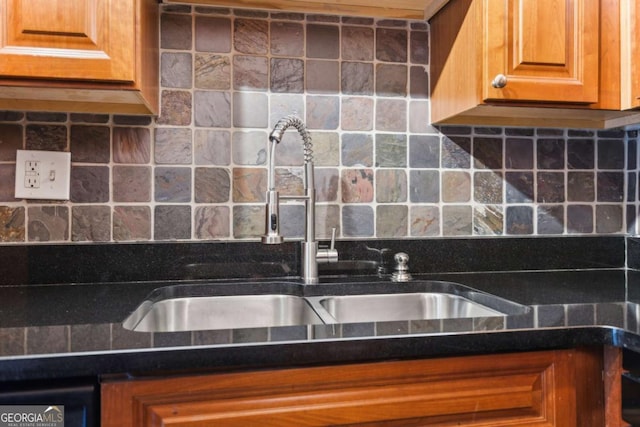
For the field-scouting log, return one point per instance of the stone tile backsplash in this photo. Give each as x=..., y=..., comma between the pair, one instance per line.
x=198, y=171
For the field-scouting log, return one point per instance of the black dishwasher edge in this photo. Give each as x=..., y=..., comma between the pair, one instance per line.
x=80, y=398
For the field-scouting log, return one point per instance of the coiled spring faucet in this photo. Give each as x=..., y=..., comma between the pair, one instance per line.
x=311, y=254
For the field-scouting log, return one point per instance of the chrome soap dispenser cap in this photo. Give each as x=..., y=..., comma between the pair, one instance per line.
x=401, y=273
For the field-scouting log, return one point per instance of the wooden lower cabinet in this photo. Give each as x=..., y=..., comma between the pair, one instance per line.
x=548, y=388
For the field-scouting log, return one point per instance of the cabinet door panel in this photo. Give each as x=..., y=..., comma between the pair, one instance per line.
x=540, y=34
x=54, y=19
x=630, y=25
x=524, y=389
x=68, y=39
x=546, y=49
x=634, y=17
x=497, y=403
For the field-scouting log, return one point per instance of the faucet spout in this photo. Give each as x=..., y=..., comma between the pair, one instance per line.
x=293, y=121
x=310, y=251
x=276, y=136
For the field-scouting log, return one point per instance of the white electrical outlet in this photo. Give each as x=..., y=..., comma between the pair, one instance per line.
x=43, y=174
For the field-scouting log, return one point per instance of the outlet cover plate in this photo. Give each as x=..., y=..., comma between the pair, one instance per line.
x=44, y=175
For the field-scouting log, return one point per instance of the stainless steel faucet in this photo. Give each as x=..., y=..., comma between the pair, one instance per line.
x=311, y=254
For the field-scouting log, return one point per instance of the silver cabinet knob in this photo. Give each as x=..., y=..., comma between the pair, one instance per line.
x=499, y=81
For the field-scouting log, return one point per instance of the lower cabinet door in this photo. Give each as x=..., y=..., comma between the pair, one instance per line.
x=550, y=388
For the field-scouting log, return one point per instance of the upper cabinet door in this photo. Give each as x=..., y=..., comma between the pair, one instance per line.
x=68, y=39
x=630, y=62
x=541, y=50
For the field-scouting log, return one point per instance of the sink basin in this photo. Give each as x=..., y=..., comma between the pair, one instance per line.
x=386, y=307
x=272, y=304
x=221, y=312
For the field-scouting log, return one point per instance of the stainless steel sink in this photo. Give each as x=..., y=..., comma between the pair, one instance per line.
x=201, y=307
x=410, y=306
x=221, y=312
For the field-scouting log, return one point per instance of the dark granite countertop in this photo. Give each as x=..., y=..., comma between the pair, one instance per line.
x=74, y=329
x=48, y=332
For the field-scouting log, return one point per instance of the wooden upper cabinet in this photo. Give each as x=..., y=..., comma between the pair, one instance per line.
x=630, y=32
x=542, y=50
x=546, y=63
x=79, y=55
x=402, y=9
x=68, y=39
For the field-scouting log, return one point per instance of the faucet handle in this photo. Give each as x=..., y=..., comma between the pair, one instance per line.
x=329, y=254
x=333, y=239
